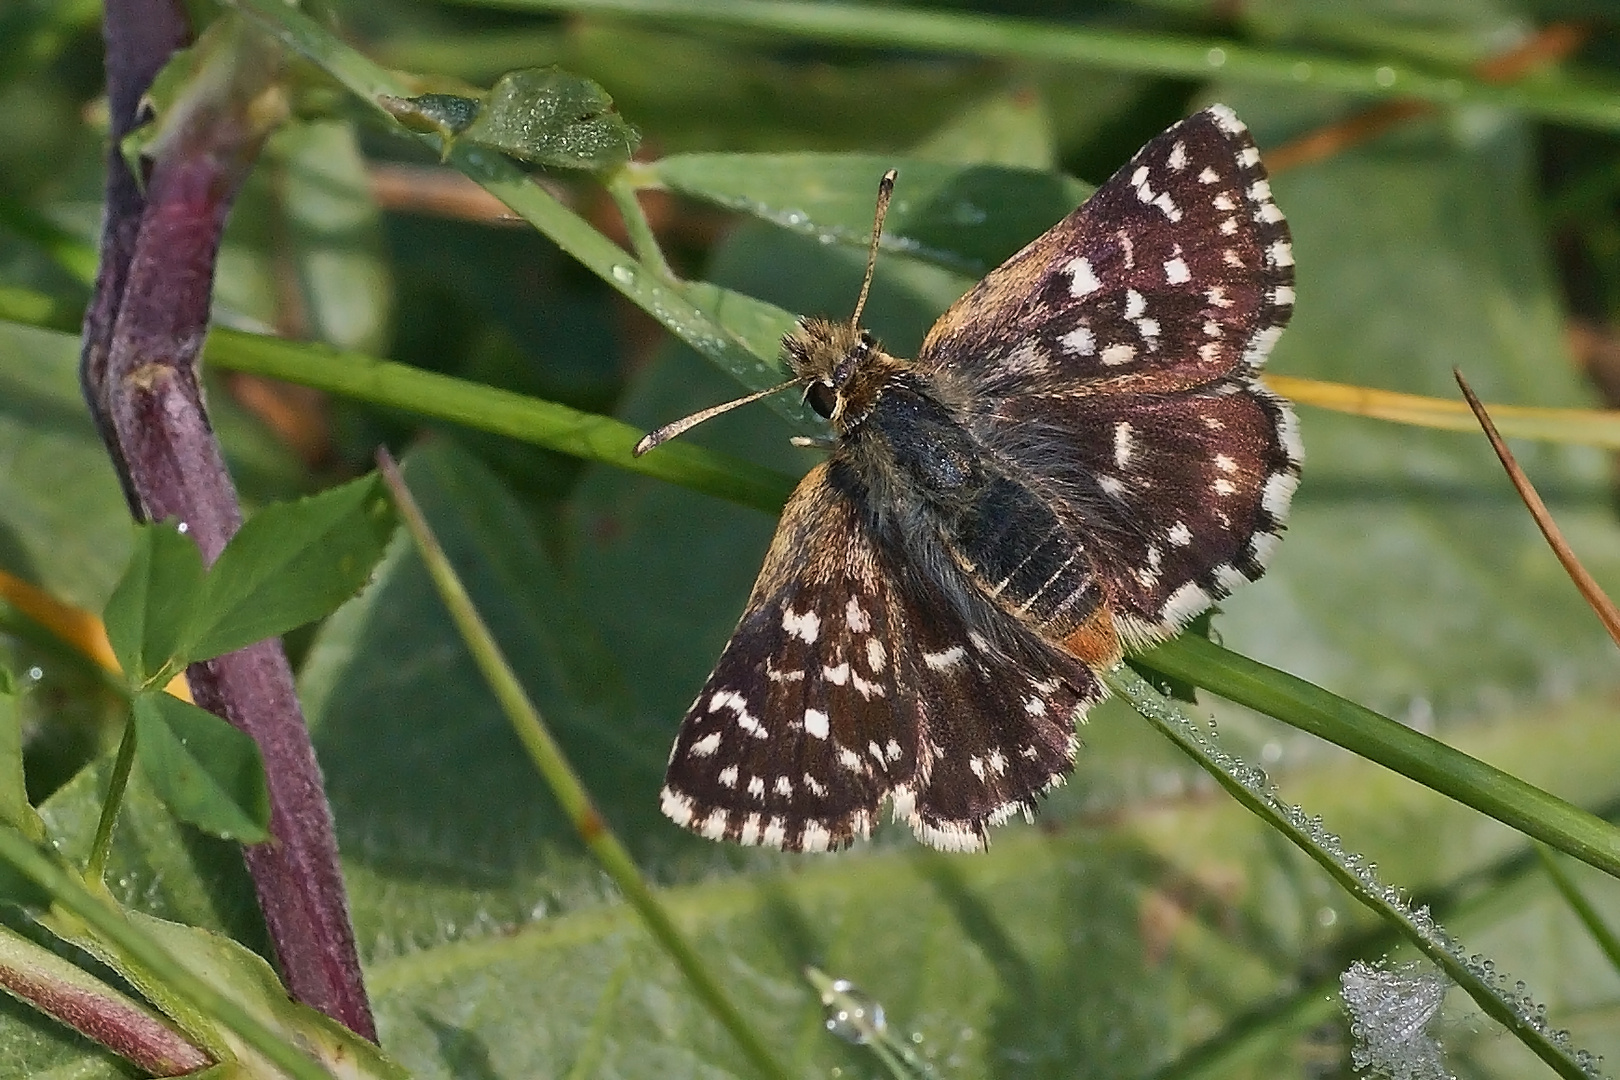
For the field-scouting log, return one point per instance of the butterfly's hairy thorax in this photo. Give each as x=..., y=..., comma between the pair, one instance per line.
x=931, y=486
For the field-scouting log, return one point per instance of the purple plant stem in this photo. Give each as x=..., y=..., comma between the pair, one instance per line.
x=98, y=1012
x=143, y=333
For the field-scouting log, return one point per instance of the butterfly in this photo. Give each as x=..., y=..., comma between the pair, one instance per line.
x=1080, y=459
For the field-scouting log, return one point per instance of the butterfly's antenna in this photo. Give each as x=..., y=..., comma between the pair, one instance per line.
x=885, y=189
x=686, y=423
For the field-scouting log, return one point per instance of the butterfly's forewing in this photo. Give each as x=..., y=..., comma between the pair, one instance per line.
x=854, y=676
x=778, y=748
x=1177, y=270
x=1114, y=359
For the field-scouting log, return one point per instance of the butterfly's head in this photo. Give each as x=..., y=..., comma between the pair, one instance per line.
x=841, y=366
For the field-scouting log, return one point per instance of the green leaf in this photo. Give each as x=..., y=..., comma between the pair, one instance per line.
x=292, y=563
x=205, y=770
x=250, y=982
x=149, y=614
x=966, y=217
x=15, y=809
x=63, y=522
x=550, y=117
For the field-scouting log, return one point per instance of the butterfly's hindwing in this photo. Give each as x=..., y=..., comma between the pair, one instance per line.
x=1181, y=497
x=997, y=719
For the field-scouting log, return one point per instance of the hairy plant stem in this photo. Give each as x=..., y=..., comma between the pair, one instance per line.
x=142, y=335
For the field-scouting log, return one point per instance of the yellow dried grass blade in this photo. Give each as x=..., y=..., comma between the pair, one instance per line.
x=1586, y=427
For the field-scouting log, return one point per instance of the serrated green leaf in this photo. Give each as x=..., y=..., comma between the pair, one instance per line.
x=206, y=771
x=965, y=217
x=550, y=117
x=149, y=615
x=292, y=563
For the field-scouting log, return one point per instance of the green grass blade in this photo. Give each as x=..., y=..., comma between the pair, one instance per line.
x=1430, y=762
x=1134, y=51
x=1604, y=934
x=556, y=427
x=1397, y=747
x=566, y=786
x=1249, y=785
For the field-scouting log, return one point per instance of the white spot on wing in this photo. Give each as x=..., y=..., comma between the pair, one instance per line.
x=1277, y=494
x=784, y=786
x=1179, y=534
x=876, y=655
x=1262, y=545
x=1225, y=463
x=1135, y=304
x=1288, y=434
x=1118, y=353
x=1178, y=157
x=1084, y=280
x=714, y=826
x=1176, y=272
x=1122, y=444
x=706, y=746
x=756, y=787
x=945, y=660
x=816, y=837
x=1260, y=347
x=1209, y=176
x=1184, y=603
x=1226, y=119
x=677, y=807
x=856, y=616
x=816, y=723
x=1223, y=486
x=726, y=699
x=837, y=674
x=805, y=627
x=1079, y=341
x=728, y=776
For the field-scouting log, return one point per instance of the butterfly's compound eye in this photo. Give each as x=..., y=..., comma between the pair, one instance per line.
x=822, y=398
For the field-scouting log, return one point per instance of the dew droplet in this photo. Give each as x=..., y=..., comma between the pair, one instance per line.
x=851, y=1014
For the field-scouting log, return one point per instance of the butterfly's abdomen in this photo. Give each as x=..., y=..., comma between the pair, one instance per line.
x=1023, y=558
